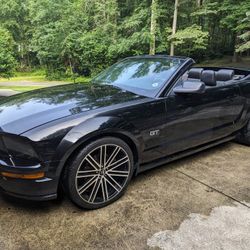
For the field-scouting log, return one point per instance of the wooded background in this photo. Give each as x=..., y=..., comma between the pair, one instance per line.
x=84, y=36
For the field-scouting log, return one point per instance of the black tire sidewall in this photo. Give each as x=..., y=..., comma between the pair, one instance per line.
x=72, y=168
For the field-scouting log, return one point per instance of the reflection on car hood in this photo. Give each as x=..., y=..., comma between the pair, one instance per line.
x=31, y=109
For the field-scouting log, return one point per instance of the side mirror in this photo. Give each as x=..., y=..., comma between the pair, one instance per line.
x=190, y=87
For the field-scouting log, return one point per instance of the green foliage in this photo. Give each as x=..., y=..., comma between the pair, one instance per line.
x=14, y=16
x=209, y=9
x=191, y=40
x=233, y=12
x=7, y=60
x=74, y=37
x=245, y=37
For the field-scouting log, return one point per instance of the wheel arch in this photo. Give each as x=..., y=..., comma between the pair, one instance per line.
x=124, y=137
x=129, y=135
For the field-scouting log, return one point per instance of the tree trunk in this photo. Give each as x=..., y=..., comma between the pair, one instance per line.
x=174, y=26
x=153, y=27
x=199, y=3
x=235, y=55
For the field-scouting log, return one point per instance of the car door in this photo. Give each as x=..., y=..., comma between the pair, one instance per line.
x=196, y=119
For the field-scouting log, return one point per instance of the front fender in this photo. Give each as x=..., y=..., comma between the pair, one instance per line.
x=92, y=128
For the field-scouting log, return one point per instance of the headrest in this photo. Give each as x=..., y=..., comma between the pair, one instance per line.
x=195, y=73
x=224, y=75
x=208, y=77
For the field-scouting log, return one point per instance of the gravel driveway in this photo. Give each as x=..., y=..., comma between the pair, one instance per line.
x=189, y=204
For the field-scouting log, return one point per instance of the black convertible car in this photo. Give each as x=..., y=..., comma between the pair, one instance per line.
x=140, y=113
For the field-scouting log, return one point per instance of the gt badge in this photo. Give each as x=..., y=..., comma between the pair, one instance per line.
x=154, y=132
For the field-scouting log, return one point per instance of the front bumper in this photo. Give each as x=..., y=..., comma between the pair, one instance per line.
x=23, y=173
x=31, y=189
x=38, y=190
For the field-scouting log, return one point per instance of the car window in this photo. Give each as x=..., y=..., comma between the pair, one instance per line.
x=144, y=76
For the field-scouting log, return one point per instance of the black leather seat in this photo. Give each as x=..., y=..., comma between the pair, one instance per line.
x=224, y=75
x=195, y=73
x=208, y=77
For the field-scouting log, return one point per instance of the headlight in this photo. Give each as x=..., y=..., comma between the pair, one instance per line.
x=19, y=149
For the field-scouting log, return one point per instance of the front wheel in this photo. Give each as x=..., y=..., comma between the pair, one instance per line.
x=100, y=173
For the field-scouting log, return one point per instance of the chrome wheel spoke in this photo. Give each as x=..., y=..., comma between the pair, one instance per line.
x=105, y=193
x=105, y=155
x=88, y=184
x=94, y=191
x=118, y=173
x=118, y=163
x=86, y=173
x=101, y=156
x=92, y=162
x=113, y=155
x=113, y=183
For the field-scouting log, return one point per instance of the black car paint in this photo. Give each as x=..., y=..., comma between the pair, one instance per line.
x=57, y=121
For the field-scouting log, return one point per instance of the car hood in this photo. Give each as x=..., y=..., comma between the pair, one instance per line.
x=25, y=111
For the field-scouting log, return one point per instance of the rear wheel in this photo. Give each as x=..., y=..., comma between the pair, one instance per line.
x=244, y=136
x=100, y=173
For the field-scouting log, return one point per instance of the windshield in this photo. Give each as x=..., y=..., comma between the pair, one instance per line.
x=143, y=76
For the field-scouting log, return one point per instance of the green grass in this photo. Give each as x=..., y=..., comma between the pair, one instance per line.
x=78, y=79
x=21, y=88
x=34, y=72
x=39, y=75
x=26, y=78
x=41, y=79
x=226, y=61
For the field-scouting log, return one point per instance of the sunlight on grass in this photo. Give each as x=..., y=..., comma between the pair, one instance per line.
x=42, y=79
x=21, y=88
x=25, y=78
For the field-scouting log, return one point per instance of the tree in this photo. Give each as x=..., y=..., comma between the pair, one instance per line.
x=49, y=33
x=233, y=14
x=14, y=16
x=191, y=40
x=76, y=36
x=245, y=37
x=133, y=35
x=174, y=26
x=7, y=60
x=153, y=27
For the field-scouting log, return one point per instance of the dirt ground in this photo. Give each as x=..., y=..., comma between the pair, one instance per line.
x=188, y=204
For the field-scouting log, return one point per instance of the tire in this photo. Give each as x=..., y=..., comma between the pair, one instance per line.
x=92, y=181
x=244, y=136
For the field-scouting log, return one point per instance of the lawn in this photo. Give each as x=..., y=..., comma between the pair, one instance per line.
x=26, y=81
x=39, y=76
x=21, y=88
x=226, y=61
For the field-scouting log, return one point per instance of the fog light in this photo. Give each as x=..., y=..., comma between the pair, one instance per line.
x=23, y=176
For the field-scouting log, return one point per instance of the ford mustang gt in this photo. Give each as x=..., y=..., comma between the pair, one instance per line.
x=92, y=138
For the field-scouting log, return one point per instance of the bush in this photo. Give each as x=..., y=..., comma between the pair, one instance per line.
x=7, y=61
